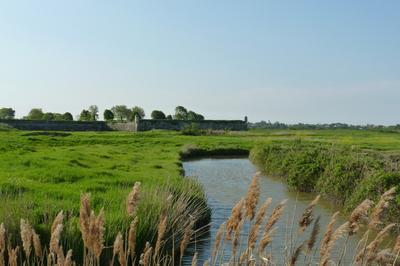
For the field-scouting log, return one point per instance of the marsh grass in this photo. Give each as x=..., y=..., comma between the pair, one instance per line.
x=177, y=226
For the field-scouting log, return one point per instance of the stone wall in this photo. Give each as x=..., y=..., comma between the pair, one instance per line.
x=57, y=125
x=138, y=125
x=150, y=124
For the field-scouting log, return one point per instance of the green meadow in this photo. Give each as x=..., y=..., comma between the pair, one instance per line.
x=42, y=173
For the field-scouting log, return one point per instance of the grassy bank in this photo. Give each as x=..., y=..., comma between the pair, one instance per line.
x=345, y=174
x=43, y=173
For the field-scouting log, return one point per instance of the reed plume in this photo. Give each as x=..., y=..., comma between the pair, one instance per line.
x=236, y=238
x=147, y=257
x=327, y=238
x=55, y=239
x=234, y=219
x=57, y=220
x=252, y=198
x=162, y=226
x=307, y=216
x=118, y=249
x=96, y=230
x=133, y=199
x=396, y=247
x=68, y=259
x=313, y=236
x=36, y=244
x=276, y=214
x=381, y=206
x=358, y=214
x=386, y=257
x=132, y=238
x=217, y=241
x=255, y=228
x=372, y=249
x=84, y=219
x=296, y=254
x=13, y=255
x=26, y=236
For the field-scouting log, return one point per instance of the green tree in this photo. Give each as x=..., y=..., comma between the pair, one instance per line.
x=156, y=114
x=85, y=115
x=35, y=114
x=48, y=116
x=94, y=112
x=194, y=116
x=181, y=113
x=7, y=113
x=67, y=117
x=108, y=115
x=169, y=117
x=121, y=112
x=137, y=111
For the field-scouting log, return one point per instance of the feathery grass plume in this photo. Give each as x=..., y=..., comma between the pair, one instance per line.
x=380, y=208
x=358, y=214
x=118, y=249
x=84, y=218
x=132, y=237
x=36, y=244
x=96, y=233
x=55, y=239
x=147, y=257
x=313, y=236
x=275, y=215
x=186, y=238
x=68, y=259
x=2, y=261
x=254, y=230
x=13, y=255
x=328, y=235
x=2, y=237
x=133, y=199
x=296, y=254
x=307, y=216
x=235, y=218
x=206, y=263
x=371, y=250
x=194, y=260
x=60, y=256
x=338, y=233
x=57, y=220
x=264, y=241
x=236, y=238
x=162, y=226
x=252, y=197
x=26, y=236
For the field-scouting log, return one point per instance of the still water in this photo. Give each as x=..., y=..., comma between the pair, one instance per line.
x=226, y=180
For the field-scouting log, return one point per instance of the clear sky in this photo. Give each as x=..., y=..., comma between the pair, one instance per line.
x=289, y=61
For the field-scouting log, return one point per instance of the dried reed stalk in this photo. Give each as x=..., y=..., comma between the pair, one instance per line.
x=307, y=216
x=13, y=255
x=371, y=251
x=358, y=214
x=252, y=198
x=132, y=238
x=234, y=219
x=186, y=238
x=255, y=228
x=162, y=226
x=36, y=244
x=381, y=206
x=26, y=236
x=133, y=199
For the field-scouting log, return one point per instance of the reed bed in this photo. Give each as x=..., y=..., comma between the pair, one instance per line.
x=176, y=230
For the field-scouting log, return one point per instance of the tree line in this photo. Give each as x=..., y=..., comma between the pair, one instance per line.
x=117, y=112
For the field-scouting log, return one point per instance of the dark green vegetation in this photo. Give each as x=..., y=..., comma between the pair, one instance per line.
x=44, y=172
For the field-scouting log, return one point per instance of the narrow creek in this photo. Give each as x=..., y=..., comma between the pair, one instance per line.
x=226, y=180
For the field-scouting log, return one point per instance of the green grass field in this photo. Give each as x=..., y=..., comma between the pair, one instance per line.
x=42, y=173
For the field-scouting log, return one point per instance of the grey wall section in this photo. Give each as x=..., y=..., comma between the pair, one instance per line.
x=139, y=125
x=150, y=124
x=58, y=125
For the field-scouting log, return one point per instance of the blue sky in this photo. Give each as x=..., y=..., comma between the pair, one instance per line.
x=288, y=61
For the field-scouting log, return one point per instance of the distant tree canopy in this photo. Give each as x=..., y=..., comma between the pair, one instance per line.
x=94, y=112
x=121, y=112
x=108, y=115
x=7, y=113
x=67, y=117
x=85, y=115
x=35, y=114
x=157, y=114
x=181, y=113
x=137, y=111
x=169, y=117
